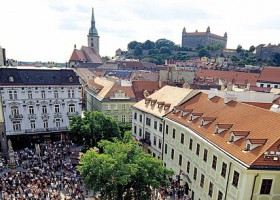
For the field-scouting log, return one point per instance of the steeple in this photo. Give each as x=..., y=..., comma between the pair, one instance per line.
x=93, y=38
x=92, y=30
x=184, y=29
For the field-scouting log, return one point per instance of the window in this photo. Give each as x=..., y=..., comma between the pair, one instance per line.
x=166, y=129
x=10, y=95
x=43, y=94
x=154, y=155
x=214, y=162
x=123, y=118
x=123, y=107
x=55, y=94
x=140, y=132
x=57, y=123
x=182, y=138
x=268, y=85
x=71, y=94
x=70, y=79
x=32, y=124
x=72, y=108
x=174, y=133
x=31, y=109
x=14, y=111
x=148, y=121
x=180, y=159
x=262, y=85
x=248, y=147
x=210, y=191
x=115, y=106
x=44, y=109
x=155, y=125
x=275, y=86
x=107, y=107
x=224, y=170
x=194, y=173
x=29, y=94
x=56, y=108
x=172, y=154
x=16, y=126
x=135, y=128
x=155, y=140
x=197, y=149
x=190, y=145
x=130, y=118
x=15, y=94
x=266, y=186
x=46, y=124
x=140, y=118
x=188, y=166
x=165, y=149
x=205, y=155
x=235, y=178
x=202, y=180
x=220, y=195
x=160, y=127
x=159, y=143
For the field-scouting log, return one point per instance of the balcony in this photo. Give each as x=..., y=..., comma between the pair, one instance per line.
x=57, y=115
x=72, y=114
x=146, y=141
x=46, y=130
x=16, y=116
x=45, y=116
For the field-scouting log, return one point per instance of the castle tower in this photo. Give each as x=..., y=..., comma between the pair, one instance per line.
x=208, y=30
x=93, y=38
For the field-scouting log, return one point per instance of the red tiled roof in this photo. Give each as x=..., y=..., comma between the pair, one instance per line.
x=270, y=75
x=261, y=123
x=126, y=89
x=140, y=86
x=260, y=105
x=91, y=55
x=230, y=76
x=94, y=85
x=77, y=55
x=259, y=89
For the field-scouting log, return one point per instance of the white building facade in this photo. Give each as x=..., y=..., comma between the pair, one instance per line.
x=39, y=102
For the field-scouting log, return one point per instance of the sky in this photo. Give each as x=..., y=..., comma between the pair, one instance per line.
x=47, y=30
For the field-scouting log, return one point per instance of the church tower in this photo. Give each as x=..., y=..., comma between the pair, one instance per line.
x=93, y=38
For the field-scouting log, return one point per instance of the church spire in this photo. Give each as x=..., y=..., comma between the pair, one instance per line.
x=93, y=30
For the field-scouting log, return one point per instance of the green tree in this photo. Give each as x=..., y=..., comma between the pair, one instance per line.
x=252, y=48
x=165, y=50
x=133, y=44
x=92, y=128
x=138, y=50
x=276, y=59
x=203, y=52
x=165, y=43
x=147, y=45
x=105, y=58
x=239, y=49
x=123, y=170
x=153, y=51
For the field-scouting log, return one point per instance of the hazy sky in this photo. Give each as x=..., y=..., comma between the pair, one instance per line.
x=46, y=30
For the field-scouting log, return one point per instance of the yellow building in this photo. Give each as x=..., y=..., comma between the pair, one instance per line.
x=110, y=98
x=224, y=150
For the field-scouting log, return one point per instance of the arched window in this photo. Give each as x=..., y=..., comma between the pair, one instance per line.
x=43, y=94
x=29, y=94
x=72, y=108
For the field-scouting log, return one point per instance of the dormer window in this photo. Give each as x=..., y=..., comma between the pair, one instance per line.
x=70, y=79
x=160, y=103
x=195, y=116
x=222, y=127
x=167, y=106
x=207, y=120
x=185, y=112
x=11, y=79
x=153, y=101
x=176, y=110
x=147, y=100
x=254, y=143
x=237, y=135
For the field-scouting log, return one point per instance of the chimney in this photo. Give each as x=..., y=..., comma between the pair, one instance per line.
x=186, y=86
x=160, y=84
x=229, y=86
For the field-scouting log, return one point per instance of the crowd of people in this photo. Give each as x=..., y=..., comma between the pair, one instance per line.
x=43, y=173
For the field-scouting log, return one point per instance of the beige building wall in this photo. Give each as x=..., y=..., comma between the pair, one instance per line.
x=121, y=111
x=249, y=182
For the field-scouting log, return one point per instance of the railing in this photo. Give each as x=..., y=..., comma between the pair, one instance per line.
x=71, y=114
x=16, y=116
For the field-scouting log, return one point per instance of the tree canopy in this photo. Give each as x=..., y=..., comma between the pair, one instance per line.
x=123, y=170
x=93, y=127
